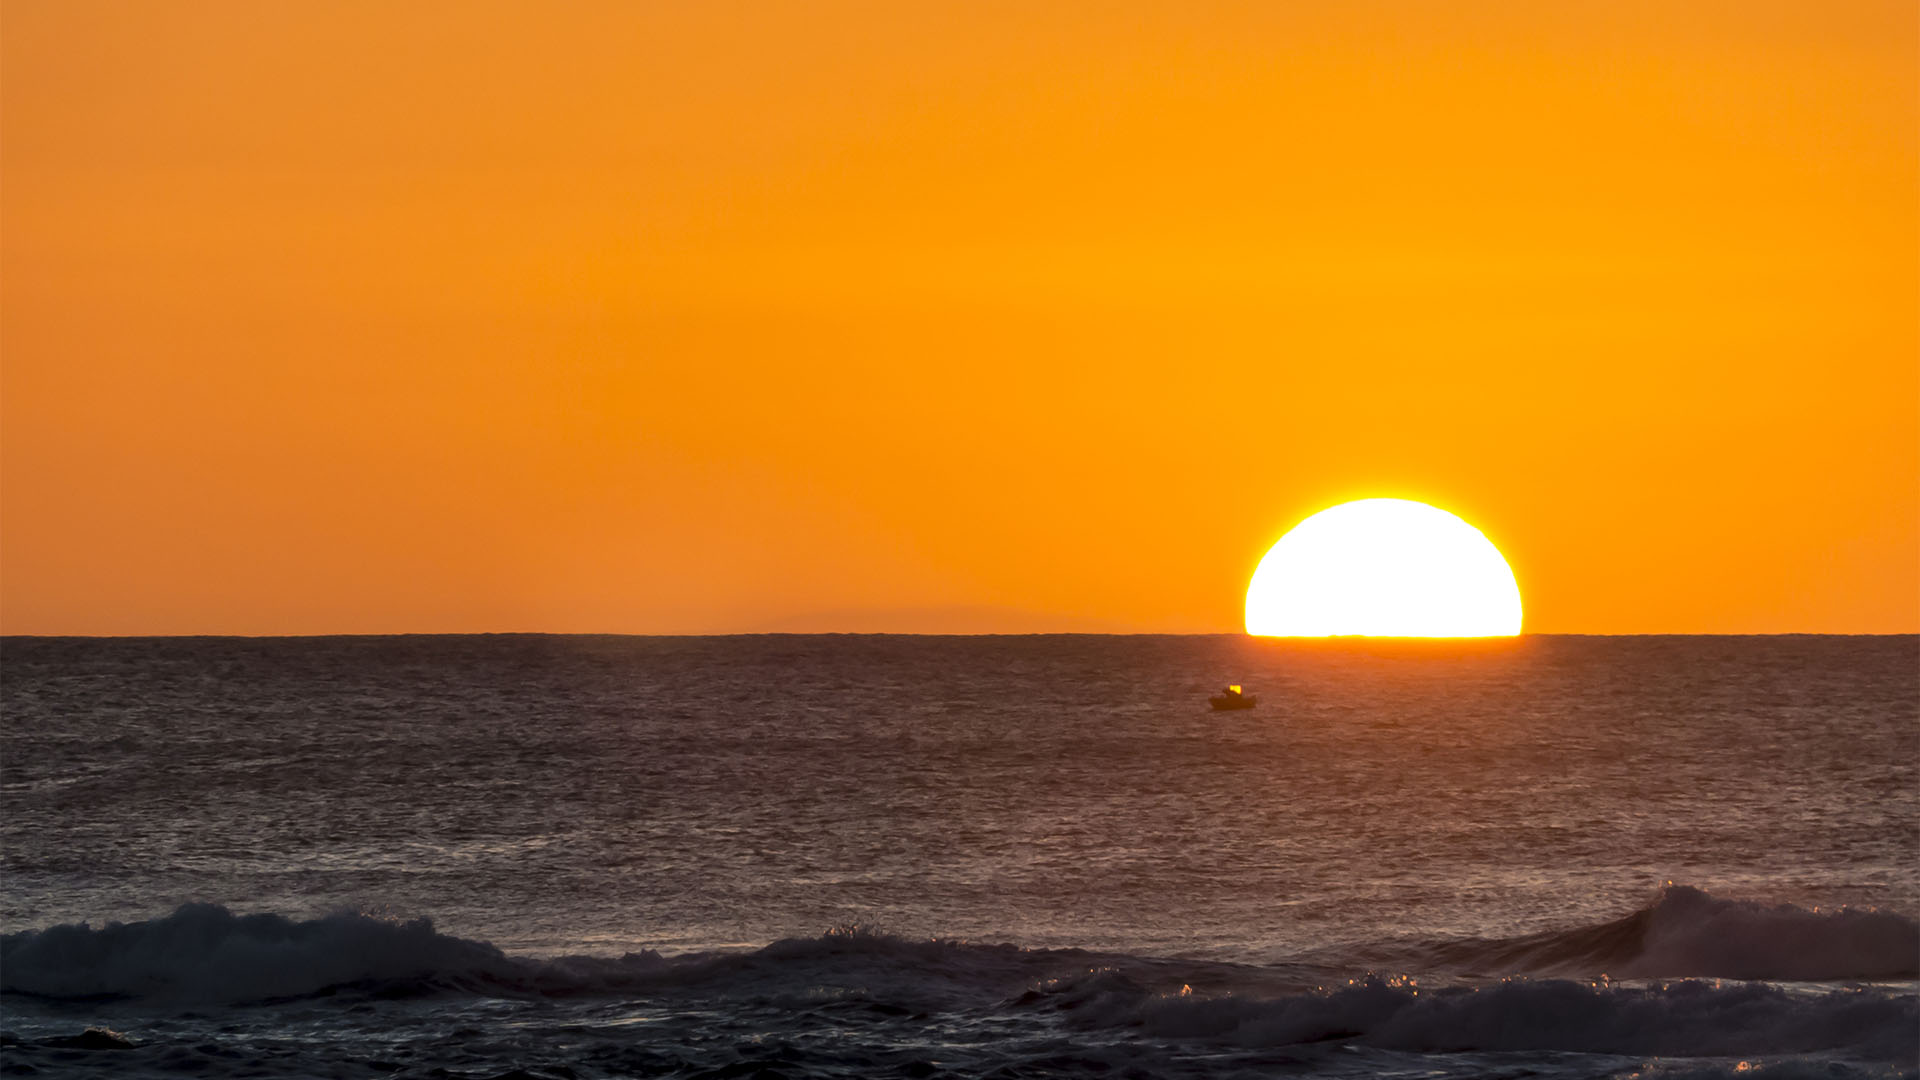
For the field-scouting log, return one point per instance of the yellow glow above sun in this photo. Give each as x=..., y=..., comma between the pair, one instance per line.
x=1383, y=568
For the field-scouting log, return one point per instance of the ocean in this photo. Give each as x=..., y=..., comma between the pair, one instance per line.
x=530, y=856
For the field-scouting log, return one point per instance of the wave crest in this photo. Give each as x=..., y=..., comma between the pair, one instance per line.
x=203, y=952
x=1687, y=933
x=1692, y=933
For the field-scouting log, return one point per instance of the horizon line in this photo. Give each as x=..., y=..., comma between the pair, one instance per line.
x=1334, y=638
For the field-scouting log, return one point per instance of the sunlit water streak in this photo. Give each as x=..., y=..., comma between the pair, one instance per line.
x=1431, y=857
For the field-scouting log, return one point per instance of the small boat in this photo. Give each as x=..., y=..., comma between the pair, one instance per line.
x=1232, y=699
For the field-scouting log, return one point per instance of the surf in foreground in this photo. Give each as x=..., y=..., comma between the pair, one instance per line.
x=1689, y=983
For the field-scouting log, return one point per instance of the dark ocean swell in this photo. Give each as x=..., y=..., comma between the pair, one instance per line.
x=203, y=954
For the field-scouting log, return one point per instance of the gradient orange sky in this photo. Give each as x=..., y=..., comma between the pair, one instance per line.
x=375, y=317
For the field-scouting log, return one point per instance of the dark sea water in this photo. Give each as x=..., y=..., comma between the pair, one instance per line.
x=814, y=856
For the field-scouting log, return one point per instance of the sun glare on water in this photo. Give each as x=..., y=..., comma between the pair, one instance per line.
x=1383, y=568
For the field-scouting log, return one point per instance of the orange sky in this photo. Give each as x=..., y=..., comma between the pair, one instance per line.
x=371, y=317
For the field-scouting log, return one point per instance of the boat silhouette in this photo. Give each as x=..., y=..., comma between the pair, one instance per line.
x=1232, y=699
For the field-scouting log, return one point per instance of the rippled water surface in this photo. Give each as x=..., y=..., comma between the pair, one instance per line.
x=632, y=850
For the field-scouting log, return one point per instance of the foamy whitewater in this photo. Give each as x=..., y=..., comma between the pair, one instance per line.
x=826, y=856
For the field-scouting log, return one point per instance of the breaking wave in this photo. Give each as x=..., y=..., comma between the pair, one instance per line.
x=1687, y=933
x=205, y=954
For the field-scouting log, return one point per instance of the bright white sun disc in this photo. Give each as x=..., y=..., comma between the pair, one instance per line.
x=1383, y=568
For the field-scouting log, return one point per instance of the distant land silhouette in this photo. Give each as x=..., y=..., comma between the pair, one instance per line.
x=955, y=619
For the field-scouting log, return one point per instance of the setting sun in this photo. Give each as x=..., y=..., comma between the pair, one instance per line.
x=1383, y=568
